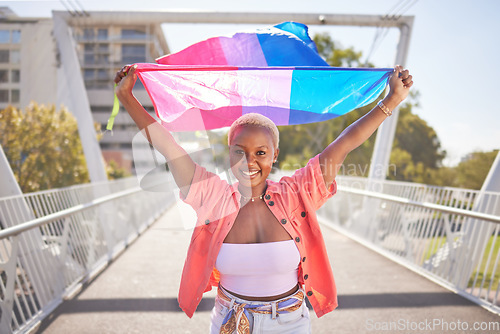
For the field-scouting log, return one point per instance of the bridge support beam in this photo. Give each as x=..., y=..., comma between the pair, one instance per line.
x=385, y=134
x=72, y=93
x=478, y=232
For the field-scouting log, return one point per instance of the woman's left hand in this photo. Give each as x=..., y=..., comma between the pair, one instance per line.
x=399, y=84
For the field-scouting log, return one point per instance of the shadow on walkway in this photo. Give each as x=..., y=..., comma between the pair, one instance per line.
x=347, y=302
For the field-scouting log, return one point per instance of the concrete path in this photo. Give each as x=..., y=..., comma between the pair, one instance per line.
x=137, y=293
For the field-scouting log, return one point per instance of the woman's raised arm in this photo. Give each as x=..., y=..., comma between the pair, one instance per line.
x=358, y=132
x=179, y=162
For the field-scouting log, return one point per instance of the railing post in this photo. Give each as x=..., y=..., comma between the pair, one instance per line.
x=7, y=305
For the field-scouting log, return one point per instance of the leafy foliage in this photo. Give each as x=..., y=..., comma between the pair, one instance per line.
x=415, y=136
x=43, y=147
x=114, y=171
x=472, y=171
x=416, y=152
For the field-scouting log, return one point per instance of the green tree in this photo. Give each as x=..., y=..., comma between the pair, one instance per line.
x=416, y=152
x=415, y=136
x=114, y=171
x=472, y=171
x=444, y=177
x=43, y=147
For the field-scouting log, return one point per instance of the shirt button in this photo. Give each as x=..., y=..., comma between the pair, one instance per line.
x=297, y=239
x=271, y=203
x=283, y=221
x=303, y=214
x=207, y=222
x=304, y=259
x=309, y=293
x=268, y=196
x=306, y=276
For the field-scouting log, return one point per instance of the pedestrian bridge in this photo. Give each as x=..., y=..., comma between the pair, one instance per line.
x=107, y=258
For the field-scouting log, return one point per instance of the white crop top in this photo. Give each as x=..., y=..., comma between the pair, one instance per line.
x=259, y=269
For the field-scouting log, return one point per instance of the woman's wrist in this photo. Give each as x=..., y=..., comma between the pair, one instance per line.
x=124, y=95
x=391, y=101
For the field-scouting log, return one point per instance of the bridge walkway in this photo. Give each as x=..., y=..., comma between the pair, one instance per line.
x=137, y=293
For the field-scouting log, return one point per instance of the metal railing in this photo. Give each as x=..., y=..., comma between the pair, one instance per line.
x=52, y=242
x=449, y=235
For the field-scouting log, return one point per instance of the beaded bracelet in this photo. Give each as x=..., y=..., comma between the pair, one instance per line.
x=384, y=108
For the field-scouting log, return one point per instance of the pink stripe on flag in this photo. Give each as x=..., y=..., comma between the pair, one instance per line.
x=209, y=52
x=267, y=90
x=195, y=119
x=178, y=92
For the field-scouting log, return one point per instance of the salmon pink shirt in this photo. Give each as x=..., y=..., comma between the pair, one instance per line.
x=293, y=201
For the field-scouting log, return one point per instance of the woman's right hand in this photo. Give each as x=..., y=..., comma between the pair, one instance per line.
x=179, y=162
x=125, y=80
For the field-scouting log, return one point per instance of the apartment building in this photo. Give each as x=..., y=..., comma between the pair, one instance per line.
x=36, y=65
x=10, y=56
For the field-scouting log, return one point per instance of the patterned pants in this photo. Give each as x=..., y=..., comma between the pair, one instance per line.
x=239, y=316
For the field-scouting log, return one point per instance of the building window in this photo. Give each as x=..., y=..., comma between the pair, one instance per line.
x=134, y=34
x=97, y=79
x=102, y=34
x=133, y=53
x=89, y=59
x=94, y=55
x=88, y=34
x=4, y=76
x=101, y=60
x=102, y=74
x=4, y=36
x=103, y=48
x=15, y=76
x=4, y=56
x=88, y=74
x=88, y=54
x=93, y=34
x=4, y=95
x=15, y=57
x=100, y=109
x=16, y=36
x=14, y=95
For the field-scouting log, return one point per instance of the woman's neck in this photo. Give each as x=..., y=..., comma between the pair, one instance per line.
x=252, y=192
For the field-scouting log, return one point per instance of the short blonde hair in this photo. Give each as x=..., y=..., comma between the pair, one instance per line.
x=258, y=120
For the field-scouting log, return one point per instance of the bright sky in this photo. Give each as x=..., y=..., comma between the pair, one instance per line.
x=453, y=52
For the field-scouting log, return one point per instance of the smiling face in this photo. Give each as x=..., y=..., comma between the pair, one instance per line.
x=252, y=154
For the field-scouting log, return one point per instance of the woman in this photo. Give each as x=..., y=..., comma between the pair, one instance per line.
x=257, y=240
